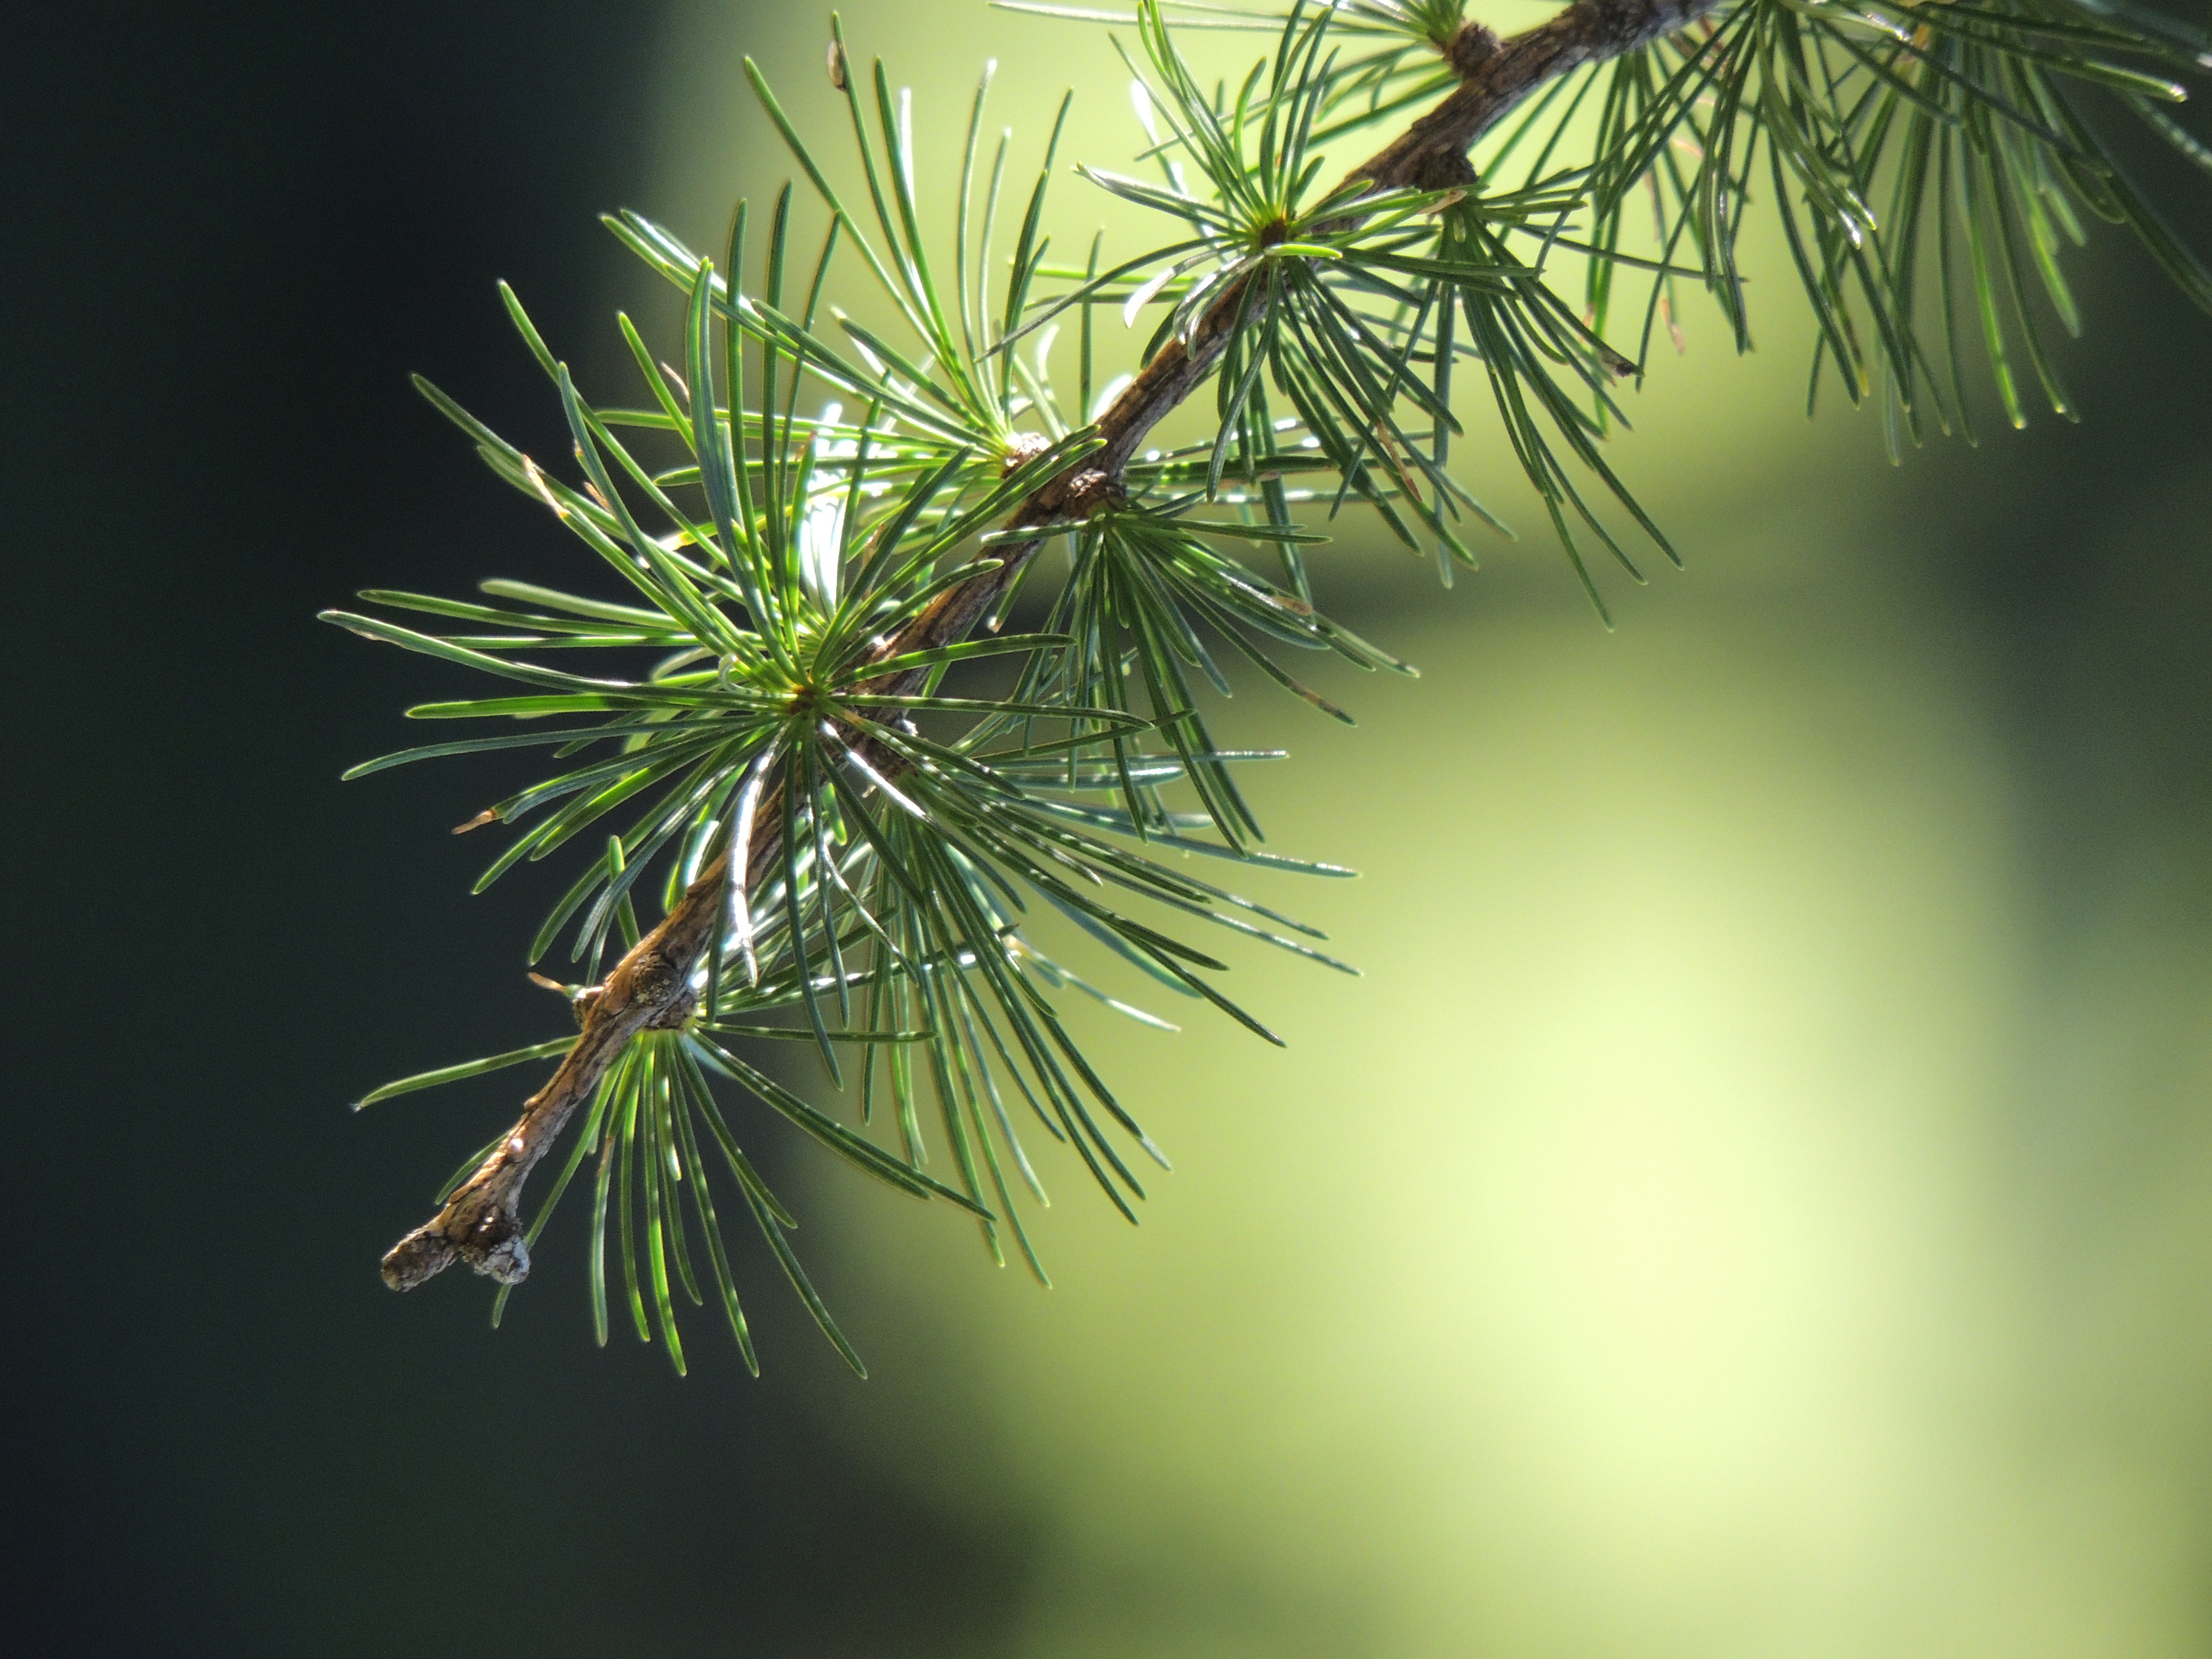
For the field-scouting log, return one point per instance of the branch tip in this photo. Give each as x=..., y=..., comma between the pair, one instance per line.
x=492, y=1243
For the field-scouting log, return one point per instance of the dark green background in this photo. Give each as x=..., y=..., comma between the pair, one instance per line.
x=229, y=236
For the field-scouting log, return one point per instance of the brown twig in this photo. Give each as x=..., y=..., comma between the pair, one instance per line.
x=480, y=1222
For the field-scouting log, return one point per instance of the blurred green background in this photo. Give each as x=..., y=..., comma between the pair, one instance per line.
x=1758, y=1199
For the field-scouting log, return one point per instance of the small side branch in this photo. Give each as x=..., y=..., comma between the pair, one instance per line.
x=480, y=1222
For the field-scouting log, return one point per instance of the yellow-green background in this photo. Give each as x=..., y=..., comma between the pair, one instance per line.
x=1752, y=1203
x=1701, y=1230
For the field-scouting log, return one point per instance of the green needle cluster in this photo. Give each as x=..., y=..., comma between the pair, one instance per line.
x=803, y=536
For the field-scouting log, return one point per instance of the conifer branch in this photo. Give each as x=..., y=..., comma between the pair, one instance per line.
x=481, y=1223
x=1945, y=76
